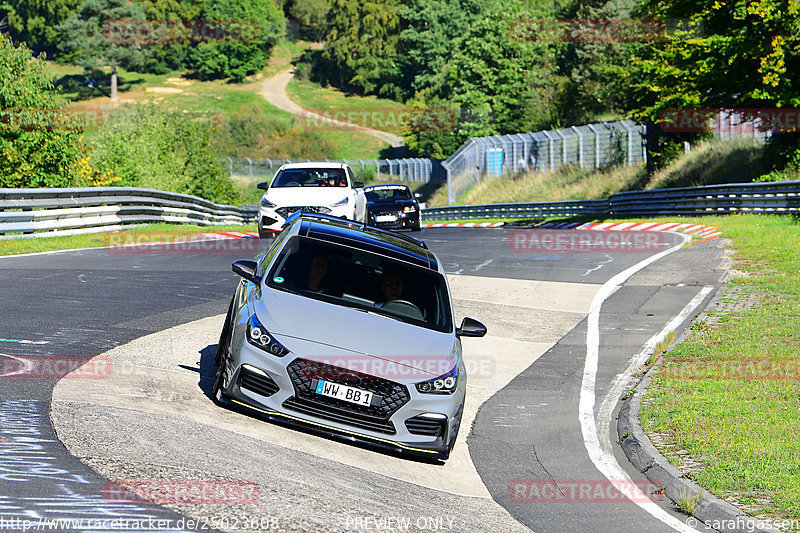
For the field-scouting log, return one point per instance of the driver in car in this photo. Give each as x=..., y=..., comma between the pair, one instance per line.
x=392, y=288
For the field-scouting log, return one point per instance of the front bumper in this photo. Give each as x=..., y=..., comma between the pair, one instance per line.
x=272, y=219
x=410, y=422
x=393, y=220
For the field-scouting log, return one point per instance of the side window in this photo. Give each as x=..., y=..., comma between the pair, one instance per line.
x=274, y=247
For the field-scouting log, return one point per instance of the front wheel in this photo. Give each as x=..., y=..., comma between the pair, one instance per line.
x=417, y=225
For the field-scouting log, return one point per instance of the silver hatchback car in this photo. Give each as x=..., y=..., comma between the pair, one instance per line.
x=347, y=329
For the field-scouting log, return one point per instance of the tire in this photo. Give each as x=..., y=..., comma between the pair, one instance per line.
x=417, y=225
x=224, y=336
x=217, y=393
x=221, y=357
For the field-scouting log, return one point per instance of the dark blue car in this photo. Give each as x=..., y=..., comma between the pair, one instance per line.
x=392, y=206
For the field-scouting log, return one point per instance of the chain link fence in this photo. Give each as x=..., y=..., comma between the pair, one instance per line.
x=410, y=170
x=592, y=146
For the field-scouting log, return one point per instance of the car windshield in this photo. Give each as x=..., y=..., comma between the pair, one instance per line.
x=310, y=177
x=387, y=194
x=367, y=281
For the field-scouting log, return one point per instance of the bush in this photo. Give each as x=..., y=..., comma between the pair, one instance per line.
x=40, y=144
x=251, y=133
x=250, y=54
x=149, y=147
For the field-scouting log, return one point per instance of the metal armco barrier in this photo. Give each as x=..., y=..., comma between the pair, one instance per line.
x=93, y=209
x=522, y=210
x=88, y=210
x=780, y=197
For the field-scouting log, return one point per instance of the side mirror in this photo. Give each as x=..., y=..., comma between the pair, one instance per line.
x=246, y=269
x=358, y=184
x=470, y=328
x=263, y=186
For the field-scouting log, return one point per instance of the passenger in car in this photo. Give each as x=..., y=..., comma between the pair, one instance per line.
x=317, y=272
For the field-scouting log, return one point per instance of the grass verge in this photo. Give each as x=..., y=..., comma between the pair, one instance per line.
x=729, y=395
x=369, y=111
x=143, y=234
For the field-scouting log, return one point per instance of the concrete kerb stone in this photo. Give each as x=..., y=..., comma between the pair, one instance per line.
x=644, y=456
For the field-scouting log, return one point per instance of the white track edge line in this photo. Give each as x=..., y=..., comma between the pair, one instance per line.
x=604, y=462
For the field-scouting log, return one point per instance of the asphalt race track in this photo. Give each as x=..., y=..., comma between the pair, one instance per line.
x=535, y=452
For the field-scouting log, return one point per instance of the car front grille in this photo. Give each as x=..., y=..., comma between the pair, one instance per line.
x=304, y=375
x=286, y=211
x=422, y=425
x=258, y=383
x=394, y=224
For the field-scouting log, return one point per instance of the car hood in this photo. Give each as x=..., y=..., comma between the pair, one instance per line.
x=301, y=196
x=334, y=334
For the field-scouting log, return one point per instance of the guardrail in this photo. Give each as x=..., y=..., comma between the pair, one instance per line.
x=94, y=209
x=89, y=210
x=782, y=197
x=520, y=210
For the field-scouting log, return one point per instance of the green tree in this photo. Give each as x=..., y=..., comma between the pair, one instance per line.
x=261, y=24
x=430, y=33
x=36, y=21
x=172, y=54
x=40, y=145
x=754, y=43
x=596, y=65
x=89, y=43
x=361, y=46
x=311, y=15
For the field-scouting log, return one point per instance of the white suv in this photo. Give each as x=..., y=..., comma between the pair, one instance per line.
x=316, y=187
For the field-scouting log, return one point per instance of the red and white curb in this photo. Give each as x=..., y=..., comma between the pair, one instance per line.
x=227, y=235
x=698, y=230
x=466, y=225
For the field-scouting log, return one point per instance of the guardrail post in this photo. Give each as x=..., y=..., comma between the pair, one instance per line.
x=250, y=163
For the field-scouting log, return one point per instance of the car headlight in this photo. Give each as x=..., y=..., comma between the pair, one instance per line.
x=266, y=203
x=258, y=336
x=409, y=209
x=341, y=202
x=445, y=384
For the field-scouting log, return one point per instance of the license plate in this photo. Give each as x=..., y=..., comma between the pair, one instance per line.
x=348, y=394
x=386, y=218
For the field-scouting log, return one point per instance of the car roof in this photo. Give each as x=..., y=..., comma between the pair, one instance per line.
x=380, y=241
x=314, y=164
